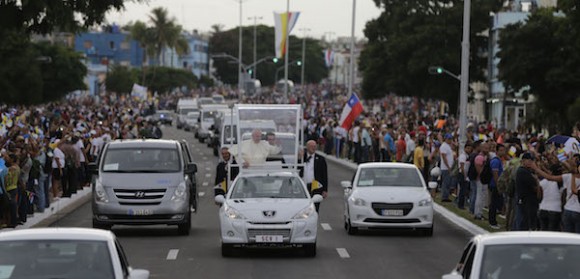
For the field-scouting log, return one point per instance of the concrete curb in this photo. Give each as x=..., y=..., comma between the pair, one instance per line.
x=57, y=210
x=454, y=218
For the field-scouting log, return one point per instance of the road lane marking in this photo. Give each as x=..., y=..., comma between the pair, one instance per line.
x=201, y=194
x=172, y=255
x=207, y=169
x=205, y=184
x=204, y=158
x=326, y=226
x=207, y=174
x=342, y=253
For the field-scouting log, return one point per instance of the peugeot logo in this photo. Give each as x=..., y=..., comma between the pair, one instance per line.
x=139, y=194
x=269, y=213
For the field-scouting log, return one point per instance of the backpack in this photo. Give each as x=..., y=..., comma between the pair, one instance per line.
x=486, y=174
x=35, y=169
x=505, y=182
x=48, y=163
x=472, y=172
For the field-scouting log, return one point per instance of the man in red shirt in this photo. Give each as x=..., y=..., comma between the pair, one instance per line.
x=401, y=146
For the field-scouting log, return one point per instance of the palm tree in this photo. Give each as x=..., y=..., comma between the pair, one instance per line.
x=164, y=31
x=177, y=42
x=144, y=35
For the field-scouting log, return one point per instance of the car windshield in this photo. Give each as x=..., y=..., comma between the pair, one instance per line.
x=390, y=177
x=141, y=160
x=531, y=261
x=55, y=259
x=269, y=187
x=185, y=111
x=193, y=115
x=218, y=99
x=209, y=116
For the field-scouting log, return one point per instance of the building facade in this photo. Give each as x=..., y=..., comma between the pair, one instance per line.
x=110, y=48
x=196, y=61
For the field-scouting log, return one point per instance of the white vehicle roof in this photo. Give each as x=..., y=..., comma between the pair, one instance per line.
x=208, y=107
x=57, y=234
x=528, y=237
x=387, y=165
x=186, y=102
x=193, y=113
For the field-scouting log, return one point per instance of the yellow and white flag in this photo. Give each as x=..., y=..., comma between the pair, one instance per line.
x=281, y=20
x=315, y=185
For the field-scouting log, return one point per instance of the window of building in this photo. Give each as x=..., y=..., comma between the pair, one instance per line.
x=112, y=45
x=87, y=44
x=125, y=45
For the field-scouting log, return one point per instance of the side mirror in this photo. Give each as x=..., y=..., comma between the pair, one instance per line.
x=346, y=184
x=138, y=274
x=452, y=276
x=432, y=184
x=220, y=199
x=317, y=198
x=191, y=167
x=93, y=168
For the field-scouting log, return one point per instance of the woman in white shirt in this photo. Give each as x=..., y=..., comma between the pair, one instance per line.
x=550, y=214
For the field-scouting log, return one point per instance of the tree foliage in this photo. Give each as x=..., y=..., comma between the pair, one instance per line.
x=542, y=56
x=121, y=79
x=227, y=69
x=409, y=36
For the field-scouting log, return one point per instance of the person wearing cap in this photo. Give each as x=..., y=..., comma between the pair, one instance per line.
x=527, y=195
x=447, y=161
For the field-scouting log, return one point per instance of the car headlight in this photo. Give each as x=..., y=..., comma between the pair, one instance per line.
x=180, y=193
x=305, y=213
x=358, y=201
x=233, y=214
x=100, y=193
x=426, y=202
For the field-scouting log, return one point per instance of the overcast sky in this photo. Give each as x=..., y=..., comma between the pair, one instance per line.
x=320, y=16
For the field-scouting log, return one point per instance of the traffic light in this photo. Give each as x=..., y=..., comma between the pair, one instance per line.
x=250, y=71
x=436, y=70
x=275, y=59
x=299, y=63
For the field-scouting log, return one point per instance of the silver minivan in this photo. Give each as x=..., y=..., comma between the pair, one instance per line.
x=144, y=182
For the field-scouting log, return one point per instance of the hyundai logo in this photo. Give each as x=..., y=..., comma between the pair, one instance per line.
x=139, y=194
x=269, y=213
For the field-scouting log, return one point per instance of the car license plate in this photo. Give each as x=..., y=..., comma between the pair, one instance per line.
x=140, y=212
x=269, y=238
x=392, y=212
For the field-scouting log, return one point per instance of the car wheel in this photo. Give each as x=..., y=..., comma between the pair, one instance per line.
x=99, y=225
x=201, y=140
x=215, y=152
x=227, y=250
x=196, y=135
x=350, y=229
x=310, y=250
x=185, y=228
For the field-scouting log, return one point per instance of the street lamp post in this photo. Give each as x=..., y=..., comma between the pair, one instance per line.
x=352, y=38
x=303, y=58
x=464, y=75
x=255, y=18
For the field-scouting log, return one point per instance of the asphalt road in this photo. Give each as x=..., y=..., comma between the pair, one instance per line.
x=374, y=254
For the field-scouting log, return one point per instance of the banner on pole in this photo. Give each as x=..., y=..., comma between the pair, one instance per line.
x=280, y=21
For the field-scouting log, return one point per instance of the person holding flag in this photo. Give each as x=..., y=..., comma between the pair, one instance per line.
x=352, y=109
x=315, y=172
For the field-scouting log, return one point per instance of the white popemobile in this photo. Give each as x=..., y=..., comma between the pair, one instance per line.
x=268, y=204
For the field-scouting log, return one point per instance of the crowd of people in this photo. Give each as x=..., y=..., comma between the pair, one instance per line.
x=45, y=151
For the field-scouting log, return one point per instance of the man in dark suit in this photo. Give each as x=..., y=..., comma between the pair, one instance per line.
x=314, y=172
x=221, y=175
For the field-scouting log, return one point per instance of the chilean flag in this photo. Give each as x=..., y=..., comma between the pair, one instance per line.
x=351, y=111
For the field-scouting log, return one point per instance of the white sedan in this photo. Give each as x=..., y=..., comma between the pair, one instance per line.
x=519, y=255
x=268, y=209
x=387, y=195
x=64, y=253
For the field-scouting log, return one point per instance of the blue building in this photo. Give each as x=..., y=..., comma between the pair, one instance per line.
x=197, y=60
x=108, y=48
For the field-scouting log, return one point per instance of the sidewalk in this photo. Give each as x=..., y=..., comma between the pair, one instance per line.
x=454, y=218
x=57, y=210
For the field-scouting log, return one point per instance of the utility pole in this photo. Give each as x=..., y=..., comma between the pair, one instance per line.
x=240, y=83
x=464, y=75
x=286, y=47
x=255, y=18
x=352, y=39
x=303, y=58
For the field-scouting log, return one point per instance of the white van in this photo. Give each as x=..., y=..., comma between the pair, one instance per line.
x=207, y=119
x=185, y=106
